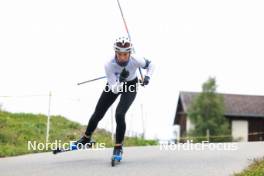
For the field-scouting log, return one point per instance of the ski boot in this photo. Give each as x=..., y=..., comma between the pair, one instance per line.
x=83, y=143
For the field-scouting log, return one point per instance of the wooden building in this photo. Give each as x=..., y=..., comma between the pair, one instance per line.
x=244, y=112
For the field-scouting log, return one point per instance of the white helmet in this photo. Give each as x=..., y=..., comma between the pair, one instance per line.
x=123, y=44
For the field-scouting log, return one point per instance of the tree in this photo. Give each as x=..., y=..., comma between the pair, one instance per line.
x=206, y=112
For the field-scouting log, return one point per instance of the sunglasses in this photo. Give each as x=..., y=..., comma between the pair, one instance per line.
x=123, y=45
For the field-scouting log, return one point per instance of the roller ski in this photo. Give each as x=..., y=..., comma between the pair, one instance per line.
x=117, y=155
x=83, y=143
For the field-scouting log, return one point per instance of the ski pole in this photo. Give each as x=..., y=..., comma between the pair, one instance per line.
x=102, y=77
x=128, y=34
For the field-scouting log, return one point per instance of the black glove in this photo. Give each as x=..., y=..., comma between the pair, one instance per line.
x=123, y=75
x=146, y=80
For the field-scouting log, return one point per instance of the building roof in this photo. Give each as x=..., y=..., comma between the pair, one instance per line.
x=235, y=104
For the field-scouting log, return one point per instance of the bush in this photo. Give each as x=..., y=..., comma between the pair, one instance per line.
x=255, y=169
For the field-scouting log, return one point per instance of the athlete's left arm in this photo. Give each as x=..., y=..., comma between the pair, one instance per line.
x=145, y=64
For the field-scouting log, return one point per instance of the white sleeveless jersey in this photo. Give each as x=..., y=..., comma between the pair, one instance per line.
x=113, y=70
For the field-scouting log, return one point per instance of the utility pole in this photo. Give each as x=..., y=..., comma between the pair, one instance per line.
x=208, y=135
x=48, y=119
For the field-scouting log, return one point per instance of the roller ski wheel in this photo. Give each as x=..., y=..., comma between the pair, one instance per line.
x=117, y=156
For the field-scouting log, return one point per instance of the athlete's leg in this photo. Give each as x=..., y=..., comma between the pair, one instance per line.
x=106, y=100
x=126, y=100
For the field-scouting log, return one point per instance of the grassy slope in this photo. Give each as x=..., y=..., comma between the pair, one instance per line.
x=18, y=128
x=255, y=169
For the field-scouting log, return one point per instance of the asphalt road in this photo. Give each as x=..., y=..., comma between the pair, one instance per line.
x=137, y=161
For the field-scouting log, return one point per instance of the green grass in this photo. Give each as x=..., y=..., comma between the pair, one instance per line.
x=254, y=169
x=16, y=129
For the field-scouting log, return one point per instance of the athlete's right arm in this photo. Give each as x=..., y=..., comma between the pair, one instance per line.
x=113, y=81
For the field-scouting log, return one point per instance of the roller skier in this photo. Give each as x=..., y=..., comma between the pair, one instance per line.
x=121, y=81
